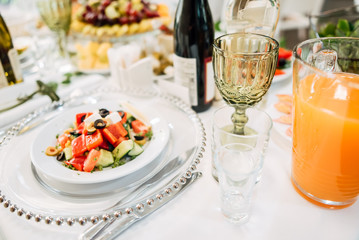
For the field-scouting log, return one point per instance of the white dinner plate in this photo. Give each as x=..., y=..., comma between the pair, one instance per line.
x=287, y=75
x=54, y=170
x=21, y=183
x=95, y=71
x=107, y=71
x=279, y=130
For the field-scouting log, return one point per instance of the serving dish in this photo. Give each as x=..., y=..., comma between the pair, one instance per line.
x=66, y=180
x=22, y=193
x=105, y=71
x=280, y=130
x=288, y=72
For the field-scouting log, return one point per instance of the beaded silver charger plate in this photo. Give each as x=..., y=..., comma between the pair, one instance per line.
x=23, y=193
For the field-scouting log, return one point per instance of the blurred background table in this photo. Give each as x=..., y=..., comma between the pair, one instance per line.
x=278, y=211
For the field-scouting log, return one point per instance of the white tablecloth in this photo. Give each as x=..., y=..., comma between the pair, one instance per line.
x=278, y=211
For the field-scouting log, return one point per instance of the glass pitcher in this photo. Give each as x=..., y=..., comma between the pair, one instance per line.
x=255, y=16
x=325, y=159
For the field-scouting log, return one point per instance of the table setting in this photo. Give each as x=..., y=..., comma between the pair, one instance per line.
x=113, y=150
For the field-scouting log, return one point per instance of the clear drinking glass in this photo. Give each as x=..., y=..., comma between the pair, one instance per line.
x=325, y=166
x=244, y=66
x=259, y=122
x=57, y=16
x=238, y=167
x=255, y=16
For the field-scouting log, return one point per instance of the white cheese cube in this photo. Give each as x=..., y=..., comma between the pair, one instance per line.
x=92, y=119
x=113, y=118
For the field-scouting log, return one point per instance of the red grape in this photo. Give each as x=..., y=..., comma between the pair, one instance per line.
x=91, y=17
x=123, y=20
x=106, y=3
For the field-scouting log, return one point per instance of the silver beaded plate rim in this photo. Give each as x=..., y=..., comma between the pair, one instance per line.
x=127, y=210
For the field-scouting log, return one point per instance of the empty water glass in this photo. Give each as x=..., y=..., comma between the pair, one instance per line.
x=257, y=132
x=238, y=167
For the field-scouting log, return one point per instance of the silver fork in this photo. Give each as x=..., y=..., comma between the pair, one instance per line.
x=169, y=168
x=120, y=225
x=52, y=112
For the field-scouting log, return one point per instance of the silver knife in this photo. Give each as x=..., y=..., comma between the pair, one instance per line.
x=170, y=167
x=122, y=223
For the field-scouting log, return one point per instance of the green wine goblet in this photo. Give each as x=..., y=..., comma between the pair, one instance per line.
x=244, y=65
x=57, y=16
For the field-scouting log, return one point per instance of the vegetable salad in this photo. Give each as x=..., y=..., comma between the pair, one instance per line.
x=101, y=139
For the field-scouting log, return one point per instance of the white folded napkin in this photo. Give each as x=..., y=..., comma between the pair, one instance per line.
x=127, y=69
x=174, y=89
x=9, y=94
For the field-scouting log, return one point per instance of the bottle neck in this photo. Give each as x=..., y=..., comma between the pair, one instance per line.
x=4, y=31
x=200, y=3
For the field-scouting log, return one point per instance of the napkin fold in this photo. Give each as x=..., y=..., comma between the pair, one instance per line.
x=127, y=69
x=9, y=94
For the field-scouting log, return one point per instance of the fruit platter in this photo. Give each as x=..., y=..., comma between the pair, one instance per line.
x=91, y=56
x=111, y=19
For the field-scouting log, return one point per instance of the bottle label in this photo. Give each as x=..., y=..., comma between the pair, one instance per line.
x=3, y=79
x=209, y=79
x=15, y=63
x=185, y=72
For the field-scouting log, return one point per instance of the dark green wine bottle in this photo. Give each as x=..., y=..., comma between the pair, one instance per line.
x=10, y=71
x=193, y=38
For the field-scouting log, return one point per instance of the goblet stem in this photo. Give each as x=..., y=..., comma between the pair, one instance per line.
x=239, y=119
x=62, y=43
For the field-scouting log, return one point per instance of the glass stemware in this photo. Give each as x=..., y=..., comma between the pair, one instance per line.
x=255, y=16
x=57, y=16
x=244, y=66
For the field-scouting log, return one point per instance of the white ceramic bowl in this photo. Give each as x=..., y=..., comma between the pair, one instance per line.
x=53, y=173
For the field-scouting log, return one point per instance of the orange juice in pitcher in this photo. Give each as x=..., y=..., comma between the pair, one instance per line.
x=325, y=158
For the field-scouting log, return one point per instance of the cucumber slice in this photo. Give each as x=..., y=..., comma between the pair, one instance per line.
x=122, y=149
x=68, y=153
x=105, y=159
x=137, y=150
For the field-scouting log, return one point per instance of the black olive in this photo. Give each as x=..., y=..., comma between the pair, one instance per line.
x=83, y=117
x=282, y=62
x=122, y=113
x=99, y=124
x=139, y=138
x=103, y=112
x=61, y=156
x=75, y=133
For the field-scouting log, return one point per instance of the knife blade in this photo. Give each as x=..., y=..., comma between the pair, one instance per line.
x=170, y=167
x=122, y=223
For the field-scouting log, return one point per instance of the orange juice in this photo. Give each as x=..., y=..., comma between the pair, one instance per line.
x=325, y=162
